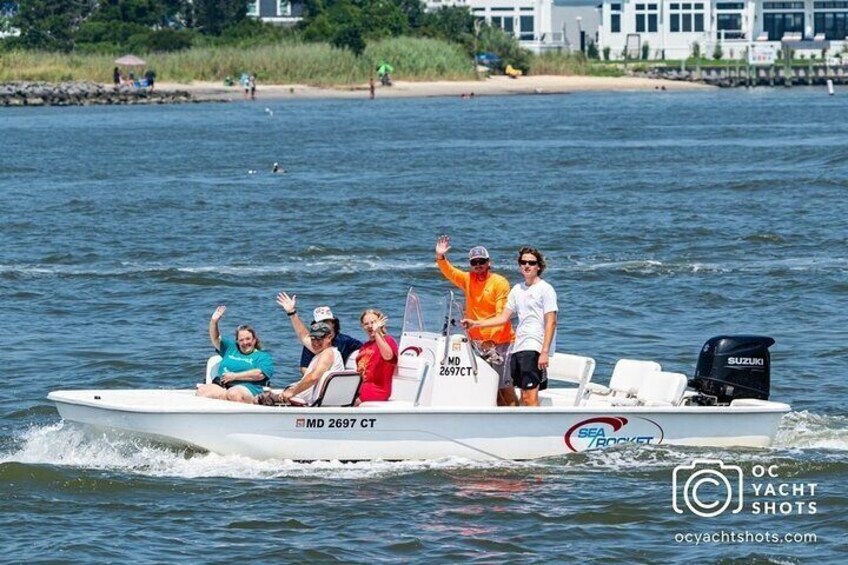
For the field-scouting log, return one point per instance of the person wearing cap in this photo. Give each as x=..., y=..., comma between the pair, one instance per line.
x=327, y=360
x=534, y=302
x=485, y=296
x=345, y=343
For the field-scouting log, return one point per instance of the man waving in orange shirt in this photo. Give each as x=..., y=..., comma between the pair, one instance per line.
x=485, y=296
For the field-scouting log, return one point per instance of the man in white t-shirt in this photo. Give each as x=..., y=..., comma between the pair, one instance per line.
x=534, y=301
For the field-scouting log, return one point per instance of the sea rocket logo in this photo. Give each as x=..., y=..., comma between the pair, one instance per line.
x=602, y=431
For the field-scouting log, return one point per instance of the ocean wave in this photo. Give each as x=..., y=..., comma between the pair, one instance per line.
x=342, y=263
x=763, y=266
x=336, y=263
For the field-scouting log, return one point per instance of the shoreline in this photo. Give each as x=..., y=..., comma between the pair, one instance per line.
x=492, y=86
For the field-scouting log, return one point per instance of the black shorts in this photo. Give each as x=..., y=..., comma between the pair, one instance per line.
x=526, y=375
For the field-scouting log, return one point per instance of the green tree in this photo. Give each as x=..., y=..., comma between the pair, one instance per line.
x=214, y=16
x=717, y=52
x=454, y=23
x=350, y=38
x=696, y=50
x=383, y=18
x=50, y=25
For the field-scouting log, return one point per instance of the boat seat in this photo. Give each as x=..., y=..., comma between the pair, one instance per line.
x=626, y=380
x=212, y=365
x=660, y=388
x=409, y=379
x=350, y=365
x=339, y=389
x=567, y=368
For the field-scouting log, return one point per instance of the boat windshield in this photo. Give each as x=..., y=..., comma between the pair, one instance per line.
x=431, y=312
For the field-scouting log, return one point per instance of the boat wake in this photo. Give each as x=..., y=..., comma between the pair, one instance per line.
x=71, y=446
x=804, y=430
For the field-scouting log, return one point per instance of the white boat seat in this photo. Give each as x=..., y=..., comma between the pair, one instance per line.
x=627, y=378
x=212, y=365
x=350, y=365
x=339, y=389
x=409, y=379
x=662, y=389
x=576, y=369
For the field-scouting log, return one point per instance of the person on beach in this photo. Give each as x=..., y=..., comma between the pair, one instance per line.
x=372, y=87
x=343, y=342
x=485, y=296
x=150, y=77
x=377, y=358
x=534, y=301
x=244, y=367
x=251, y=82
x=327, y=360
x=116, y=76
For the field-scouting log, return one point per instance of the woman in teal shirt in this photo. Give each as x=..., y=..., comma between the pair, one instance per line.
x=244, y=367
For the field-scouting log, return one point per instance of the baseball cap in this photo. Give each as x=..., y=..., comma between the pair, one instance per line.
x=478, y=252
x=322, y=313
x=320, y=330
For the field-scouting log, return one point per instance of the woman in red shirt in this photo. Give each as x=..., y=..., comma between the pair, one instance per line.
x=377, y=358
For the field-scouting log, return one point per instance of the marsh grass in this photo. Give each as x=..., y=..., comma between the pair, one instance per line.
x=561, y=64
x=292, y=61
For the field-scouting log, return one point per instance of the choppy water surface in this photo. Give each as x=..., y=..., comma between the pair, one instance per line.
x=667, y=218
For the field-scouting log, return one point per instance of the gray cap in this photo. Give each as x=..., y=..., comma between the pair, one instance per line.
x=320, y=330
x=478, y=252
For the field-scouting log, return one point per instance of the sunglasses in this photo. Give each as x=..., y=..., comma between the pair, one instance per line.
x=526, y=262
x=478, y=262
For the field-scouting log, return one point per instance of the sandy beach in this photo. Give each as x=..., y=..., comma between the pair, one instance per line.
x=492, y=86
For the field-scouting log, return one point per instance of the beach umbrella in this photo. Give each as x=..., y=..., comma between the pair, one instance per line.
x=385, y=68
x=130, y=61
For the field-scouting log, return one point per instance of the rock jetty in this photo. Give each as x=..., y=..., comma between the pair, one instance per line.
x=85, y=94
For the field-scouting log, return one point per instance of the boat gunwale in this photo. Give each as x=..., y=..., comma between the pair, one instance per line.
x=773, y=407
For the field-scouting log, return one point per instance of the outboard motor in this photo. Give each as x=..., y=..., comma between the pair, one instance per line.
x=733, y=366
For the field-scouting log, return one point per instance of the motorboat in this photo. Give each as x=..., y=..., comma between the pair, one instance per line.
x=443, y=404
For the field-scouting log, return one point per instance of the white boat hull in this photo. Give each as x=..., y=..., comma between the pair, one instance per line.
x=398, y=431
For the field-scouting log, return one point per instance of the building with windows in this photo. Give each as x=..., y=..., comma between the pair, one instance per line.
x=670, y=28
x=530, y=21
x=286, y=12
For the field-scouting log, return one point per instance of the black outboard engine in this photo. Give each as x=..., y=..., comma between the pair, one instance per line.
x=734, y=366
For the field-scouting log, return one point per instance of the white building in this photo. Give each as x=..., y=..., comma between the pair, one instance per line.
x=530, y=21
x=671, y=27
x=286, y=12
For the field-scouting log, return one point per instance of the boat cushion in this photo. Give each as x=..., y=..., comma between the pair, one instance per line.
x=339, y=389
